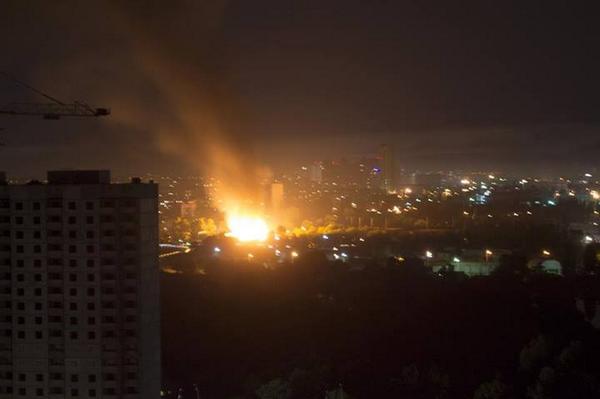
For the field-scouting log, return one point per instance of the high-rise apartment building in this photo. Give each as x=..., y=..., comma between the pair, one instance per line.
x=79, y=290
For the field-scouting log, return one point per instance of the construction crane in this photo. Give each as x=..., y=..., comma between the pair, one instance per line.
x=54, y=109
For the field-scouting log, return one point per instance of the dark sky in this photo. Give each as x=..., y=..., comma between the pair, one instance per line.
x=492, y=84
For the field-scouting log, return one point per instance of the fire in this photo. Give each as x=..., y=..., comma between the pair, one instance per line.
x=247, y=228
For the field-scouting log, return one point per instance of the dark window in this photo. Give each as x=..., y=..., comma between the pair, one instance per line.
x=55, y=203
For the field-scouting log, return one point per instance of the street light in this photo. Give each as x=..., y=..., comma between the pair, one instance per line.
x=428, y=254
x=545, y=252
x=488, y=253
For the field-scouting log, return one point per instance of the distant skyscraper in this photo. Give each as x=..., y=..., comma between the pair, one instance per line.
x=387, y=168
x=316, y=173
x=79, y=290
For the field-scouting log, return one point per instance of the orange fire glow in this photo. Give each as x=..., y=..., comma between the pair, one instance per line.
x=247, y=228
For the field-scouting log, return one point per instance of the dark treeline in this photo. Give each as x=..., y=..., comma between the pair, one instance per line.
x=313, y=327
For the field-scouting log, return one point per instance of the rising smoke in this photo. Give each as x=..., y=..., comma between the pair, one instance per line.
x=162, y=68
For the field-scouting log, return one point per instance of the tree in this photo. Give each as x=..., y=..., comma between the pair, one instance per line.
x=274, y=389
x=535, y=354
x=494, y=389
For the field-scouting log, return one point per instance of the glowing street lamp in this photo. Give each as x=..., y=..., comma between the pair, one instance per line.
x=428, y=254
x=545, y=252
x=488, y=253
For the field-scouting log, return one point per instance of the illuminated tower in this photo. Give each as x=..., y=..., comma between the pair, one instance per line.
x=387, y=168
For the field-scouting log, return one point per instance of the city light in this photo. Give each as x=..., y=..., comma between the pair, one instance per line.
x=588, y=239
x=595, y=195
x=295, y=254
x=456, y=259
x=428, y=254
x=545, y=252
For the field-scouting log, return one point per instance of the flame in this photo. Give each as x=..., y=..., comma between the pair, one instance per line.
x=247, y=228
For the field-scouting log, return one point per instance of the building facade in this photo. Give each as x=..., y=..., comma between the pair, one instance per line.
x=79, y=288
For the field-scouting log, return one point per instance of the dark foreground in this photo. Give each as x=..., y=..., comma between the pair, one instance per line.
x=312, y=327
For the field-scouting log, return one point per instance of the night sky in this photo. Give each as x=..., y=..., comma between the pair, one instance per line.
x=491, y=84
